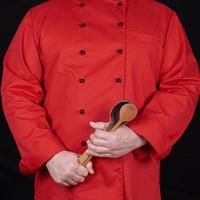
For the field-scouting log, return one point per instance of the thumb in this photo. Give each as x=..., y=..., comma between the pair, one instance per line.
x=99, y=125
x=90, y=168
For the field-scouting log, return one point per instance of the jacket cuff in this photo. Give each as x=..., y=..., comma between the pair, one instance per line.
x=41, y=153
x=153, y=133
x=142, y=152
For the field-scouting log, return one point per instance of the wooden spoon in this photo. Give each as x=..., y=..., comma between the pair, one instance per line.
x=121, y=113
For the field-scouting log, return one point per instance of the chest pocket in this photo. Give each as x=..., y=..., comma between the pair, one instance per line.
x=147, y=38
x=146, y=53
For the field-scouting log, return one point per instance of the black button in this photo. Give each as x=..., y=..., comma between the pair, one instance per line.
x=82, y=4
x=82, y=80
x=118, y=80
x=83, y=143
x=82, y=111
x=119, y=3
x=82, y=52
x=120, y=23
x=119, y=50
x=83, y=25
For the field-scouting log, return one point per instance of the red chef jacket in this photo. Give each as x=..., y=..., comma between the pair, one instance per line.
x=70, y=61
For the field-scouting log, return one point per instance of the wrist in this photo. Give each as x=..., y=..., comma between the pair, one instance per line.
x=138, y=140
x=141, y=141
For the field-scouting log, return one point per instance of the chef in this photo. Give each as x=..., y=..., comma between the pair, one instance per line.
x=69, y=62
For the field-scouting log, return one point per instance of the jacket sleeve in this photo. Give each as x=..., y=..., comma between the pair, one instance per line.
x=22, y=98
x=168, y=113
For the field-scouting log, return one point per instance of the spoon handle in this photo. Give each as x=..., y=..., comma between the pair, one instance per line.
x=85, y=158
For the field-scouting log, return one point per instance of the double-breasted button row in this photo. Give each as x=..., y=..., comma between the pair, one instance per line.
x=83, y=52
x=83, y=25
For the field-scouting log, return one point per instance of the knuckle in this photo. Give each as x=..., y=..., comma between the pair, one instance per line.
x=90, y=147
x=76, y=178
x=91, y=137
x=71, y=171
x=94, y=148
x=97, y=150
x=94, y=141
x=68, y=174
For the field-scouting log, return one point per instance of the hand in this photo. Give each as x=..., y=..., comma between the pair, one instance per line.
x=112, y=145
x=65, y=169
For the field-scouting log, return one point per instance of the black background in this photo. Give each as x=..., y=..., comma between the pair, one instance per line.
x=179, y=171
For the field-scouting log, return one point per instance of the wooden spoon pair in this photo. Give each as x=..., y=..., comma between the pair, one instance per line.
x=121, y=113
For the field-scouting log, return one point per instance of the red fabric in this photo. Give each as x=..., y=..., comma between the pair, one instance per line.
x=42, y=95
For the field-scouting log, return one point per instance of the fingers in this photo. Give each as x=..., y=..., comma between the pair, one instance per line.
x=99, y=125
x=71, y=182
x=97, y=149
x=90, y=168
x=78, y=178
x=82, y=171
x=74, y=179
x=102, y=155
x=97, y=141
x=79, y=175
x=68, y=182
x=101, y=134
